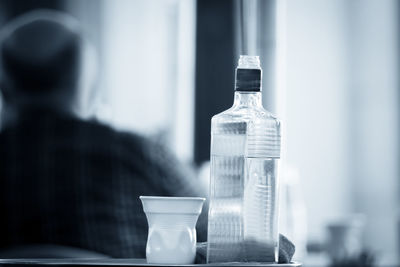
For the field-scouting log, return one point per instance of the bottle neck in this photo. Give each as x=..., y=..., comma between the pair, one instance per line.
x=247, y=99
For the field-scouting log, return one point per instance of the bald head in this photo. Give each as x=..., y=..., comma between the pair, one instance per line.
x=40, y=58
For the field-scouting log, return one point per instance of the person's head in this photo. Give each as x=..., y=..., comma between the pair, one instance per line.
x=41, y=56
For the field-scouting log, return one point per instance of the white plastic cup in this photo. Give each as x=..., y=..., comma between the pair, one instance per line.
x=172, y=232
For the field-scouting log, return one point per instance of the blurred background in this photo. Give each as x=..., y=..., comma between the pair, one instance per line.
x=330, y=74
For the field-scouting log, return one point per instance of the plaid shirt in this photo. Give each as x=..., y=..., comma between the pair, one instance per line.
x=76, y=183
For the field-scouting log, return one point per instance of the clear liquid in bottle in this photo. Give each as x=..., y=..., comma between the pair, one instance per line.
x=245, y=148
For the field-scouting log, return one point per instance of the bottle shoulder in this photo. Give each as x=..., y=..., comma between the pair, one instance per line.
x=239, y=114
x=254, y=132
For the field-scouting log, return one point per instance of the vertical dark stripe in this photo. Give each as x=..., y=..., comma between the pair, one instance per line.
x=242, y=44
x=398, y=101
x=266, y=49
x=215, y=64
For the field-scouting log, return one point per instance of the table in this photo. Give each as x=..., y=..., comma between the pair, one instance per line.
x=119, y=263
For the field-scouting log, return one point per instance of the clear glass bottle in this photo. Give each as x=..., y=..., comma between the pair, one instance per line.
x=245, y=148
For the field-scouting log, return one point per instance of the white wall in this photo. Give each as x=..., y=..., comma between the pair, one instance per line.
x=317, y=109
x=374, y=121
x=149, y=68
x=136, y=56
x=342, y=114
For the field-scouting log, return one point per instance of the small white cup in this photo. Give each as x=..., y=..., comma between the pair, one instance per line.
x=172, y=232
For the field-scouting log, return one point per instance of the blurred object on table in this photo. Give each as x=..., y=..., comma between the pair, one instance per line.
x=343, y=245
x=203, y=176
x=345, y=237
x=293, y=214
x=363, y=259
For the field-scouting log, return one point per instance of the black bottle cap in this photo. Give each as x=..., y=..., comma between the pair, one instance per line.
x=248, y=80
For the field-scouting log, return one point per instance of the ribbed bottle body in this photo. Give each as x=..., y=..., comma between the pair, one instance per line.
x=243, y=215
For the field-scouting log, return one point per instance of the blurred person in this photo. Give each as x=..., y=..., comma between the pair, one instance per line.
x=65, y=180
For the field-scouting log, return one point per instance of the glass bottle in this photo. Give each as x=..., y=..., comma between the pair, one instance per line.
x=245, y=150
